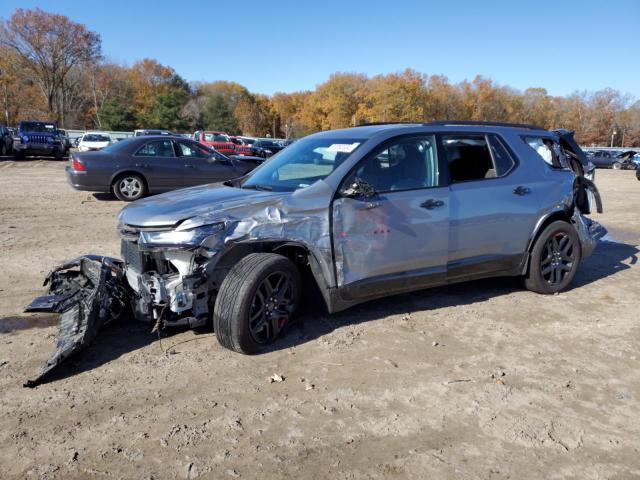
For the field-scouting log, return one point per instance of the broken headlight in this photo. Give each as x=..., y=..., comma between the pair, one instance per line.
x=179, y=238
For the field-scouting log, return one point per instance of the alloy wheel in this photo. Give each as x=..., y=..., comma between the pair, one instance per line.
x=271, y=307
x=559, y=258
x=130, y=187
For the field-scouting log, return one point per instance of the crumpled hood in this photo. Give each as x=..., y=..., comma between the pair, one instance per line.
x=170, y=208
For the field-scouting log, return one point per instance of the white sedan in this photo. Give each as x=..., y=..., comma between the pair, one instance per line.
x=94, y=141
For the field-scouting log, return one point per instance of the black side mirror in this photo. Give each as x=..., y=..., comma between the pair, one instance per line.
x=358, y=188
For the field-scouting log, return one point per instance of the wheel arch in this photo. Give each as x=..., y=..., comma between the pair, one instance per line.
x=563, y=215
x=297, y=252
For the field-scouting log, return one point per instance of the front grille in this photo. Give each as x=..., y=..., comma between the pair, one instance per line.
x=41, y=139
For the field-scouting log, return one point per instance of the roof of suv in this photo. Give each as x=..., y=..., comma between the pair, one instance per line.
x=370, y=129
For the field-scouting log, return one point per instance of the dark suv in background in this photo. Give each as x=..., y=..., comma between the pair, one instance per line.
x=39, y=138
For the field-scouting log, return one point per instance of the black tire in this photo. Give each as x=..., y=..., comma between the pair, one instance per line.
x=129, y=187
x=3, y=150
x=554, y=259
x=18, y=155
x=58, y=154
x=244, y=321
x=616, y=166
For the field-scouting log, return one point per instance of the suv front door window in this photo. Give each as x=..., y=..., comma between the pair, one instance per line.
x=400, y=232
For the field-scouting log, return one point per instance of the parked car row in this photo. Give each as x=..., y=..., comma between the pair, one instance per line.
x=134, y=167
x=628, y=160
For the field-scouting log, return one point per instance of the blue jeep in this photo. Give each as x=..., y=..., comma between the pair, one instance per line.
x=38, y=138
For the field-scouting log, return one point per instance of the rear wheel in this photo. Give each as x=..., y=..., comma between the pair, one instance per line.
x=3, y=150
x=616, y=166
x=554, y=259
x=129, y=187
x=256, y=301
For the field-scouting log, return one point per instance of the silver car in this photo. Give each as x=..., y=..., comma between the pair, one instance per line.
x=362, y=213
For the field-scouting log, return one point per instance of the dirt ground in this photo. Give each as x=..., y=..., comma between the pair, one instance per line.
x=478, y=380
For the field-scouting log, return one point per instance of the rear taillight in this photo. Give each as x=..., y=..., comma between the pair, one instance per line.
x=77, y=165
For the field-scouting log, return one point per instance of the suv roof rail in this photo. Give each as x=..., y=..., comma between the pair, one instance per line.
x=485, y=124
x=373, y=124
x=445, y=123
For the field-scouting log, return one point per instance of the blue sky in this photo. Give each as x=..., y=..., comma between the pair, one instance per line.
x=288, y=45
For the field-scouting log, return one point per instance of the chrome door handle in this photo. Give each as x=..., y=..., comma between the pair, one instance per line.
x=368, y=205
x=431, y=204
x=520, y=190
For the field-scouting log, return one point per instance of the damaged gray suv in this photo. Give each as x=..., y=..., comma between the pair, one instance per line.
x=362, y=213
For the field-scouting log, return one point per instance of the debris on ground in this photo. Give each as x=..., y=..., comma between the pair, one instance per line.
x=89, y=292
x=276, y=378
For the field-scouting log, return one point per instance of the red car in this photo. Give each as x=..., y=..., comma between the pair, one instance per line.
x=243, y=146
x=218, y=140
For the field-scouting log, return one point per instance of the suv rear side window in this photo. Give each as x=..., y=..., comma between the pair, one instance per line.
x=502, y=159
x=476, y=157
x=468, y=157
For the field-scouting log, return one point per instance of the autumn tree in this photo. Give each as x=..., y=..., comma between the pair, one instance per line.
x=217, y=116
x=49, y=46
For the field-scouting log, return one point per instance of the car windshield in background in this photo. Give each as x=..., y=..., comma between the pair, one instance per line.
x=38, y=127
x=215, y=137
x=95, y=138
x=266, y=144
x=302, y=164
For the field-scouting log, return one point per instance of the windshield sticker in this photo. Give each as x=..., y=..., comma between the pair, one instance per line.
x=343, y=147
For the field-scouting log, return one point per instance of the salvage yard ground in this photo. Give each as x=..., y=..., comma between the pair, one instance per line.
x=478, y=380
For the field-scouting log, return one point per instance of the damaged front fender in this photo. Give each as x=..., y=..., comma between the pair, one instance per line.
x=88, y=291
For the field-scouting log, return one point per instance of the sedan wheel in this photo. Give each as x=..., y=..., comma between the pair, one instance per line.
x=616, y=166
x=129, y=188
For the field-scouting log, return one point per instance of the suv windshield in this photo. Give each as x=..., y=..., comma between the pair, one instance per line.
x=302, y=164
x=42, y=127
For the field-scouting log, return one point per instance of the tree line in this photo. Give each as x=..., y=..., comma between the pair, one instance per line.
x=53, y=68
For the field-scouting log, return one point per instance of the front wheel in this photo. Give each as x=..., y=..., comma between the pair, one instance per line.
x=616, y=166
x=256, y=301
x=129, y=187
x=554, y=259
